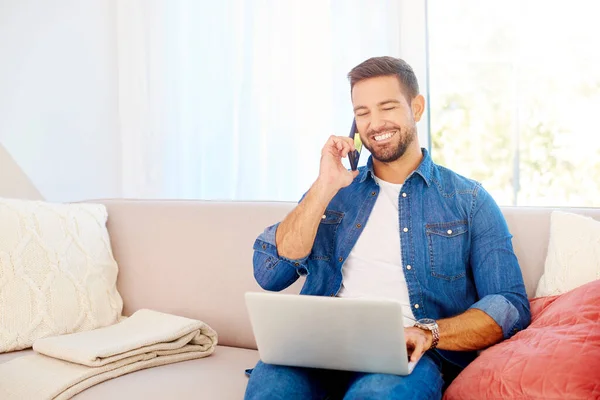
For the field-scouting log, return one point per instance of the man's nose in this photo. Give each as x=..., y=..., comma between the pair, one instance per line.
x=377, y=123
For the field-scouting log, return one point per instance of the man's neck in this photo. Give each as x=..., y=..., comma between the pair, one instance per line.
x=397, y=171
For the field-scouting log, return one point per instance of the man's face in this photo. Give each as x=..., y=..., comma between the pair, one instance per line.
x=384, y=118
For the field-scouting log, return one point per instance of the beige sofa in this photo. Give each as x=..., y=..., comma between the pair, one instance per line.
x=194, y=258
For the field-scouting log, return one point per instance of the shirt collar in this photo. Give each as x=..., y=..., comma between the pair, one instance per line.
x=425, y=169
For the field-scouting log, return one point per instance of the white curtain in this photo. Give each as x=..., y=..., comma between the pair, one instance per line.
x=233, y=99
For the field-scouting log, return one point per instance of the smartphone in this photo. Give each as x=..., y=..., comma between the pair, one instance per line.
x=353, y=156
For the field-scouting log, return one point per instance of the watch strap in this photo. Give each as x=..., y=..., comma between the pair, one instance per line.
x=435, y=332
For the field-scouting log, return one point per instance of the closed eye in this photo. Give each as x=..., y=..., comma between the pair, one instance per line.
x=388, y=108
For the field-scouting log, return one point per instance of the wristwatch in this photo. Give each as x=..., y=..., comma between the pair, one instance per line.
x=429, y=324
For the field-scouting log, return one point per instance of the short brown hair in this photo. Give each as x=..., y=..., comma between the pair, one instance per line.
x=385, y=66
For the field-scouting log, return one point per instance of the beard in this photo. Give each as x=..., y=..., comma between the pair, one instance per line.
x=395, y=150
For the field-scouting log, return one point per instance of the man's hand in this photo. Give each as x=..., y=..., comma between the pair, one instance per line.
x=332, y=173
x=295, y=235
x=418, y=341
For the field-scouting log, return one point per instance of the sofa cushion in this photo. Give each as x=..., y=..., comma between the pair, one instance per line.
x=220, y=376
x=5, y=357
x=573, y=254
x=556, y=357
x=57, y=271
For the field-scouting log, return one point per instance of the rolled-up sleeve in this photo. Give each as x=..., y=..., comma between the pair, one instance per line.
x=495, y=267
x=272, y=271
x=502, y=311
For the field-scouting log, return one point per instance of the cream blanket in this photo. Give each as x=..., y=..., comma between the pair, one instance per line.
x=66, y=365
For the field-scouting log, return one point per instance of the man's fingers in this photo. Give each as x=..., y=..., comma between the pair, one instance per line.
x=344, y=140
x=350, y=142
x=344, y=148
x=417, y=343
x=338, y=146
x=418, y=351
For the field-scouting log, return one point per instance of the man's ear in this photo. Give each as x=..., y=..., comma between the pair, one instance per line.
x=418, y=107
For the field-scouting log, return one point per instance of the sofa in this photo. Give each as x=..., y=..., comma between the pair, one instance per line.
x=194, y=259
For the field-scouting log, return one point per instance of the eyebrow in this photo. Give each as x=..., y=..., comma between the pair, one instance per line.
x=382, y=103
x=388, y=101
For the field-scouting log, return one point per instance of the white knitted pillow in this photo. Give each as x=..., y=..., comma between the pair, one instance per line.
x=57, y=271
x=573, y=257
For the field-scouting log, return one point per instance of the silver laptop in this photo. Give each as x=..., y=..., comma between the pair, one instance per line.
x=350, y=334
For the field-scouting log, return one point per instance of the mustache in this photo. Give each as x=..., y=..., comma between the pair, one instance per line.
x=373, y=132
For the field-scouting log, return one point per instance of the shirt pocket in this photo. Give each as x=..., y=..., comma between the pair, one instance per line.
x=326, y=235
x=448, y=249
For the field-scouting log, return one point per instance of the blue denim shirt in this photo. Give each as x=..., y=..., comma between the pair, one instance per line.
x=456, y=249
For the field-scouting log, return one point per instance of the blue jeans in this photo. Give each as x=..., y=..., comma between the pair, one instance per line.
x=287, y=383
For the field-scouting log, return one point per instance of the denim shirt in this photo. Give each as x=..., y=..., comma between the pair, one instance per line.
x=456, y=249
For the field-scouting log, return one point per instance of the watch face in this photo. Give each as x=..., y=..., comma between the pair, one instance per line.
x=427, y=321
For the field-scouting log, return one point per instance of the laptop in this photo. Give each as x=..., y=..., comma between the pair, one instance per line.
x=348, y=334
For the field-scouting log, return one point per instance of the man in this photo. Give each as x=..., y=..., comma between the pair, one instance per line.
x=401, y=227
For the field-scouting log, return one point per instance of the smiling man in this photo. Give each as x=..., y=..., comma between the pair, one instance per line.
x=401, y=227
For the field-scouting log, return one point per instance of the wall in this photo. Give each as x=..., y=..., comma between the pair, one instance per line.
x=58, y=95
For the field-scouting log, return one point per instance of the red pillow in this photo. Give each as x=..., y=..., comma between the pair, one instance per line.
x=556, y=357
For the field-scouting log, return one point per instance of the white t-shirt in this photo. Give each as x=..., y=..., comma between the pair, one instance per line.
x=374, y=266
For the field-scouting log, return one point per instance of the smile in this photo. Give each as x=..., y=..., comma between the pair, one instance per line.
x=384, y=136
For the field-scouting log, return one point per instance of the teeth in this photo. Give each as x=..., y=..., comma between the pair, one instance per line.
x=384, y=136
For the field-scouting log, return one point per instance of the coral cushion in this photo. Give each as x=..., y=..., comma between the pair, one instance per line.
x=556, y=357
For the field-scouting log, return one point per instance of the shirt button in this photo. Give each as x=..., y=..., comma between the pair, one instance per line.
x=416, y=306
x=373, y=193
x=403, y=194
x=408, y=267
x=341, y=259
x=358, y=225
x=324, y=216
x=449, y=231
x=405, y=229
x=296, y=264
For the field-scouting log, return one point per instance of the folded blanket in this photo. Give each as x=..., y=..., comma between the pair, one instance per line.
x=66, y=365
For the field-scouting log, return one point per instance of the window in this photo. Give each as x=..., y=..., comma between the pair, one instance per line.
x=515, y=97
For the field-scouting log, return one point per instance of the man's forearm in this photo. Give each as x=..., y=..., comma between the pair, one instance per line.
x=296, y=233
x=471, y=330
